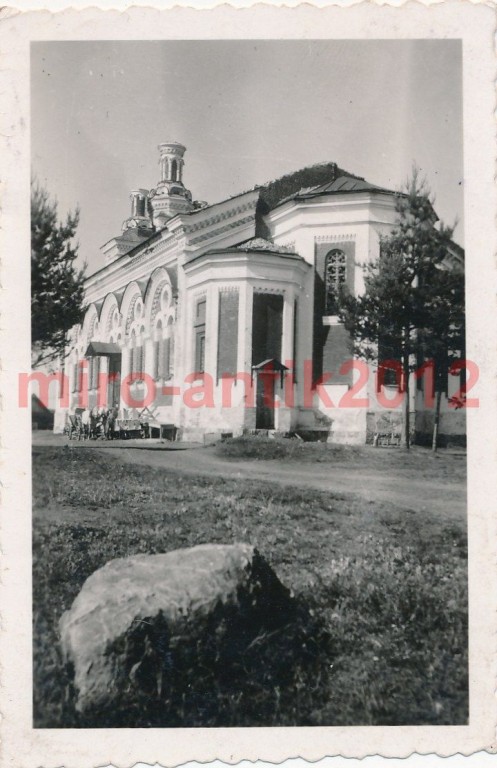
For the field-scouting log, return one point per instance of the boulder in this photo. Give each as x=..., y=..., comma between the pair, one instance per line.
x=146, y=630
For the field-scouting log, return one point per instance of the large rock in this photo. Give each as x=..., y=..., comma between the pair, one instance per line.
x=145, y=628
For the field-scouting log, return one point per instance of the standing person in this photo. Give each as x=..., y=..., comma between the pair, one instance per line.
x=94, y=422
x=102, y=422
x=111, y=421
x=85, y=421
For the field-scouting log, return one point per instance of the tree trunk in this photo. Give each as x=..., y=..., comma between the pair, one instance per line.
x=405, y=437
x=436, y=421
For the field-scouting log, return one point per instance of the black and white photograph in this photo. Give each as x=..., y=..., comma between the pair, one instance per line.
x=252, y=385
x=250, y=509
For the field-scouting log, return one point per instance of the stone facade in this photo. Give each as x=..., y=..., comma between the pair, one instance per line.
x=205, y=326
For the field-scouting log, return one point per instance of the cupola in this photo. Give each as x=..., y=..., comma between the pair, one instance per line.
x=170, y=197
x=139, y=218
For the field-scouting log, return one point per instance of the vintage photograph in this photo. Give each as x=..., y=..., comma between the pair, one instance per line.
x=251, y=383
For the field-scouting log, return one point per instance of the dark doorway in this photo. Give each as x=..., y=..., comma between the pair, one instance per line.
x=264, y=414
x=267, y=327
x=114, y=382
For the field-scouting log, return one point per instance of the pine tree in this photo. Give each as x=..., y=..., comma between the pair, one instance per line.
x=412, y=309
x=56, y=283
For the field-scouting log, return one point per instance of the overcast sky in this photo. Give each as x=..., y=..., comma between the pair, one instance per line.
x=247, y=111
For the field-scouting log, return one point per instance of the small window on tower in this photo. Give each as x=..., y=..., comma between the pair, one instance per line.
x=335, y=275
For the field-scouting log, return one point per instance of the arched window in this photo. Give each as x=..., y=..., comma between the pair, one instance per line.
x=174, y=170
x=335, y=276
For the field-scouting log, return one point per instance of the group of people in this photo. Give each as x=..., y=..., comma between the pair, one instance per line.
x=100, y=422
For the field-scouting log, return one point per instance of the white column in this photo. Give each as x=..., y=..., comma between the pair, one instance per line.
x=244, y=358
x=125, y=370
x=288, y=312
x=283, y=412
x=183, y=335
x=103, y=380
x=211, y=331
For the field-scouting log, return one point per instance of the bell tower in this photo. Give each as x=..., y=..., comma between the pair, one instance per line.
x=139, y=218
x=170, y=197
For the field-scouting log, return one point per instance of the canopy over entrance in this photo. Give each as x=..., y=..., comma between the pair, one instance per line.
x=102, y=349
x=271, y=366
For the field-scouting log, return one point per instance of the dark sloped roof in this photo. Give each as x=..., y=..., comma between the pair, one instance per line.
x=102, y=349
x=272, y=193
x=346, y=184
x=253, y=246
x=39, y=407
x=341, y=185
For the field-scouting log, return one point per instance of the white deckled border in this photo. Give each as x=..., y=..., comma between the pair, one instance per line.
x=28, y=748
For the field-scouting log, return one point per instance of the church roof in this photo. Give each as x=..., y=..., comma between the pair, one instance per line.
x=256, y=245
x=135, y=235
x=340, y=185
x=274, y=192
x=347, y=184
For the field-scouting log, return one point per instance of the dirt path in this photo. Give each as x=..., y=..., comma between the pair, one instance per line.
x=407, y=492
x=445, y=496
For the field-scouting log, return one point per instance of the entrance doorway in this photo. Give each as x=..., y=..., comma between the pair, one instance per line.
x=268, y=373
x=264, y=413
x=114, y=381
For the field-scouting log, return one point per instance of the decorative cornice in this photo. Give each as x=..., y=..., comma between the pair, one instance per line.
x=229, y=289
x=269, y=289
x=230, y=213
x=213, y=234
x=152, y=250
x=289, y=246
x=334, y=238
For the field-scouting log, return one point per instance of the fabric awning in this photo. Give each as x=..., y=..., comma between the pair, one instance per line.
x=102, y=349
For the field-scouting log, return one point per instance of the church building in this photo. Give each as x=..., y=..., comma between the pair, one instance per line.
x=219, y=319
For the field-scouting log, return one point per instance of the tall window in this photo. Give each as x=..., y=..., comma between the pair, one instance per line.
x=168, y=346
x=94, y=366
x=75, y=376
x=157, y=351
x=163, y=350
x=199, y=329
x=136, y=354
x=335, y=276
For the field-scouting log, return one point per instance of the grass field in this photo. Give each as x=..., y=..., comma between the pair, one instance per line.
x=418, y=462
x=389, y=584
